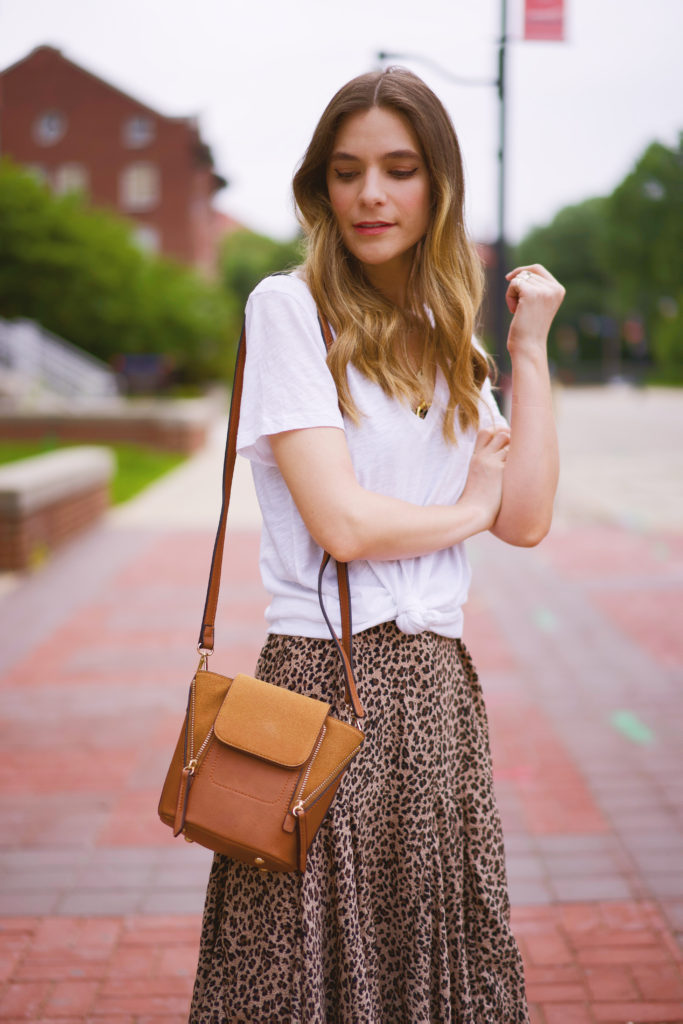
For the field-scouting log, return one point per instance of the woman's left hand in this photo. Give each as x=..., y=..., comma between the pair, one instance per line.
x=533, y=297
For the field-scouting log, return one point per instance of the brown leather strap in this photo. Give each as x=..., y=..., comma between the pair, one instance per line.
x=206, y=633
x=345, y=648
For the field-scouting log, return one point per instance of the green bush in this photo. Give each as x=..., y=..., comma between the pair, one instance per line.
x=246, y=258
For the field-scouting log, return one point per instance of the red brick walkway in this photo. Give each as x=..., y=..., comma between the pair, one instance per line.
x=581, y=654
x=611, y=962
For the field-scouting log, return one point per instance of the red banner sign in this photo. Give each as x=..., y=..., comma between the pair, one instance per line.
x=544, y=20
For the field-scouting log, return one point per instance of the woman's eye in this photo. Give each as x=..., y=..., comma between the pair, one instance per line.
x=400, y=173
x=344, y=175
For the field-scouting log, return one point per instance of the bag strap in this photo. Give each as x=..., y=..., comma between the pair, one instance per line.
x=206, y=633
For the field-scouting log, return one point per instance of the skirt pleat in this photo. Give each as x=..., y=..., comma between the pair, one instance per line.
x=402, y=916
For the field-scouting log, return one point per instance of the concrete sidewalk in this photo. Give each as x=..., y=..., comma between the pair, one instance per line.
x=580, y=650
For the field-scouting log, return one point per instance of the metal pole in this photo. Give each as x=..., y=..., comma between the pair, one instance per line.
x=499, y=308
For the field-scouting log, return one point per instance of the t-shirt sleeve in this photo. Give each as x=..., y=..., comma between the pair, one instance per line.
x=490, y=415
x=287, y=384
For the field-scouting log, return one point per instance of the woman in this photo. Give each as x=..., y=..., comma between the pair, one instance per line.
x=389, y=454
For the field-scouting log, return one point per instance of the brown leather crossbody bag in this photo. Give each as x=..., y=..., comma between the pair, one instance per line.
x=257, y=766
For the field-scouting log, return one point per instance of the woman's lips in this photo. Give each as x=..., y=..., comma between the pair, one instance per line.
x=372, y=227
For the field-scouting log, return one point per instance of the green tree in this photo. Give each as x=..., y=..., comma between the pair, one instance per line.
x=619, y=258
x=643, y=245
x=78, y=273
x=246, y=258
x=572, y=248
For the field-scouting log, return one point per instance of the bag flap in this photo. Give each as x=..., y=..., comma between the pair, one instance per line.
x=270, y=722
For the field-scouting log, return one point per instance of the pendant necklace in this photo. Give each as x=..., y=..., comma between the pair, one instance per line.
x=423, y=406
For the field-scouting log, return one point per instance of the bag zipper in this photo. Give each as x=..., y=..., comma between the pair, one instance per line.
x=193, y=761
x=300, y=805
x=309, y=766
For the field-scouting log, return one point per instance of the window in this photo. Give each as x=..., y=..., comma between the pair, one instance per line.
x=148, y=238
x=71, y=178
x=138, y=131
x=140, y=187
x=49, y=127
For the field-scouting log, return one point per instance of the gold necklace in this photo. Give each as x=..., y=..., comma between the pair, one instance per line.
x=423, y=404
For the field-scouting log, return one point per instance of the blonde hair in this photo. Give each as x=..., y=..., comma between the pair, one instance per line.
x=446, y=281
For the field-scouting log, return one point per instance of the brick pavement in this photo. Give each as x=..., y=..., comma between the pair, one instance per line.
x=580, y=650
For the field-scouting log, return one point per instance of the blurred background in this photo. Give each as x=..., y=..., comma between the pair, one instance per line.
x=148, y=150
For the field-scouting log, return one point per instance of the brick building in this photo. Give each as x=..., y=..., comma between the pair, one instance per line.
x=78, y=132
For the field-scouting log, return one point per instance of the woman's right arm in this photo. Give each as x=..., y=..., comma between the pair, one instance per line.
x=351, y=522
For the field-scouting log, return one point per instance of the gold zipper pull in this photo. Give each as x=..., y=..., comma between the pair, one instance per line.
x=183, y=794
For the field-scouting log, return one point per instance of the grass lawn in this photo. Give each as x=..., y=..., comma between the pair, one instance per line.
x=136, y=465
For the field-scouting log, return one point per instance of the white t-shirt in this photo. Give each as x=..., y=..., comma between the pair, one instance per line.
x=288, y=386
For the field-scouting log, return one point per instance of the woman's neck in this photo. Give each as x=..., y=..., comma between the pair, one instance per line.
x=391, y=279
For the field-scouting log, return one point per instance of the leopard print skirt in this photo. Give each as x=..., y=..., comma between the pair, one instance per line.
x=402, y=916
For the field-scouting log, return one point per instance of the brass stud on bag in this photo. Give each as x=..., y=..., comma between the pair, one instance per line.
x=187, y=838
x=259, y=862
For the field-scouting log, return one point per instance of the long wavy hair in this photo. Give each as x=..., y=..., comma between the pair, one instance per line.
x=446, y=280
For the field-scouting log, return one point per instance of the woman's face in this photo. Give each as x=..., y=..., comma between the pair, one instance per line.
x=379, y=189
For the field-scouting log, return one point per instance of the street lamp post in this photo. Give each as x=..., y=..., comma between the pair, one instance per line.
x=498, y=304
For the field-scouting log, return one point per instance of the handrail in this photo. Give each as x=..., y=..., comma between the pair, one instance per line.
x=44, y=359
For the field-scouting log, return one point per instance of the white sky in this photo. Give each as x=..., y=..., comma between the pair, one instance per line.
x=259, y=72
